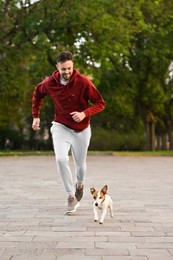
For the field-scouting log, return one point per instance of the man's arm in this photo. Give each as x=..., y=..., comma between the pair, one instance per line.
x=37, y=100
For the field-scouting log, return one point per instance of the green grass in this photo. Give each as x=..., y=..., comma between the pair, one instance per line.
x=144, y=153
x=114, y=153
x=23, y=153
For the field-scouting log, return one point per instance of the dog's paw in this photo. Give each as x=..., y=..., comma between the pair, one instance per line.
x=100, y=223
x=95, y=220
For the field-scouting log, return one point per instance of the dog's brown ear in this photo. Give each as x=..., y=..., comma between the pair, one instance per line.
x=104, y=189
x=92, y=190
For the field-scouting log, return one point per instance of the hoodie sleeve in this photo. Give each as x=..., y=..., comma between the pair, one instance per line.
x=98, y=103
x=37, y=99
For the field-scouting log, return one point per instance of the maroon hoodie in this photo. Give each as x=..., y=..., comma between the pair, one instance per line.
x=74, y=96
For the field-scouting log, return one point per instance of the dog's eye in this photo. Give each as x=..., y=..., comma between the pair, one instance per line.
x=100, y=198
x=94, y=197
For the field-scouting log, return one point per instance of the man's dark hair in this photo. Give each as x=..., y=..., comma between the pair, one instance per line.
x=64, y=56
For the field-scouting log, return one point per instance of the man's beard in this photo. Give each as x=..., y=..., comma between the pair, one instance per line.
x=66, y=77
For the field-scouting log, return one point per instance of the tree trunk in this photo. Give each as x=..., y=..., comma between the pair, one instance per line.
x=171, y=139
x=152, y=136
x=164, y=141
x=158, y=142
x=150, y=132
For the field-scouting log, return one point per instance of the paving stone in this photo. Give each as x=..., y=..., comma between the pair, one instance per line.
x=155, y=245
x=147, y=234
x=59, y=252
x=80, y=257
x=30, y=257
x=107, y=252
x=5, y=256
x=171, y=251
x=76, y=244
x=125, y=258
x=150, y=253
x=160, y=258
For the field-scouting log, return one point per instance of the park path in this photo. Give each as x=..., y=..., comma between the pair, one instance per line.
x=32, y=203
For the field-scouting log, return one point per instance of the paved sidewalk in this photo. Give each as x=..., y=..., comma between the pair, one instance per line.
x=32, y=203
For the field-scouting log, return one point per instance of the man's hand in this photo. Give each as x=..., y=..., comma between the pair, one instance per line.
x=36, y=124
x=78, y=116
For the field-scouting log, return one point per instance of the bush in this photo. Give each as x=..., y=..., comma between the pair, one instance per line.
x=11, y=139
x=111, y=140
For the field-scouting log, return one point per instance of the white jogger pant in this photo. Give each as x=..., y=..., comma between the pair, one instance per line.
x=65, y=139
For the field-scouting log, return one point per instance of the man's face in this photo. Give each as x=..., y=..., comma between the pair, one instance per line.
x=65, y=69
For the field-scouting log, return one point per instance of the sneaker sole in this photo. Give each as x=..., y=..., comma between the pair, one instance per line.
x=74, y=210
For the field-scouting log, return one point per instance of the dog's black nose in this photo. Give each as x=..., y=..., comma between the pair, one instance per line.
x=96, y=204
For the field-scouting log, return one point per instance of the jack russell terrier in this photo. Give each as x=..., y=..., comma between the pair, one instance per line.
x=101, y=201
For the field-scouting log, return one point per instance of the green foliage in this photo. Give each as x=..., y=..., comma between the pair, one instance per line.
x=113, y=140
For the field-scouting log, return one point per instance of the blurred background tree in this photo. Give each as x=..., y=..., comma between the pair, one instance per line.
x=124, y=46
